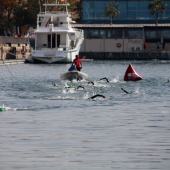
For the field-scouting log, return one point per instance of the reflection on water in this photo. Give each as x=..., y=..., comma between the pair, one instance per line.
x=54, y=127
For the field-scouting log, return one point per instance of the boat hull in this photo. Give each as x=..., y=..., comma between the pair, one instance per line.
x=40, y=57
x=47, y=60
x=47, y=56
x=70, y=75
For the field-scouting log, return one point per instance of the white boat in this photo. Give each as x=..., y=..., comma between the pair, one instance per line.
x=77, y=75
x=56, y=39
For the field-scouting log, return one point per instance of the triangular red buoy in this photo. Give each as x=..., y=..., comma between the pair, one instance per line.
x=131, y=74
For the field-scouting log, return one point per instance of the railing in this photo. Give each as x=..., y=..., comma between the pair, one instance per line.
x=55, y=12
x=79, y=37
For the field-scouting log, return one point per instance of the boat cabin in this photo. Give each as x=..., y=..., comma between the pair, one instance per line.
x=54, y=28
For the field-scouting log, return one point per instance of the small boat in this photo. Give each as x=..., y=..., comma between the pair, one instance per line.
x=56, y=39
x=71, y=75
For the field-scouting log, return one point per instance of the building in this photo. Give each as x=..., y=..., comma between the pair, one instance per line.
x=131, y=11
x=129, y=31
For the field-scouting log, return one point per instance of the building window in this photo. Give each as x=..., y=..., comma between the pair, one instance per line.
x=166, y=34
x=88, y=10
x=92, y=33
x=133, y=34
x=114, y=34
x=131, y=11
x=153, y=34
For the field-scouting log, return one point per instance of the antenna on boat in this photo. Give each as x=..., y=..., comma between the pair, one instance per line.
x=40, y=5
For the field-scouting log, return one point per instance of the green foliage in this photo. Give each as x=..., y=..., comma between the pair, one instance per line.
x=112, y=10
x=157, y=6
x=76, y=9
x=24, y=12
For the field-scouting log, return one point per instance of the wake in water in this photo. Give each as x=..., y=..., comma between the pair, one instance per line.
x=6, y=108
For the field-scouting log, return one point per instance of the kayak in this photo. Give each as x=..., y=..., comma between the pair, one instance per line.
x=70, y=75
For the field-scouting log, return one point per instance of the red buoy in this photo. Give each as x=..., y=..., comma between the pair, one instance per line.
x=131, y=74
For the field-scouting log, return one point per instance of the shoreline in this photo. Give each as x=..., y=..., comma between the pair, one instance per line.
x=161, y=55
x=11, y=62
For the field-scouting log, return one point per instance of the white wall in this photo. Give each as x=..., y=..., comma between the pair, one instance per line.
x=111, y=45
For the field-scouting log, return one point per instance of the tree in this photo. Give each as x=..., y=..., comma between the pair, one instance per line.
x=75, y=8
x=20, y=15
x=157, y=6
x=17, y=13
x=112, y=10
x=7, y=8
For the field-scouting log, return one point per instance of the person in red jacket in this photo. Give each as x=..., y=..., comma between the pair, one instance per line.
x=77, y=61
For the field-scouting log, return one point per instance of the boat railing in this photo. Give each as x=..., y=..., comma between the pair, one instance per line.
x=55, y=12
x=79, y=33
x=60, y=48
x=79, y=38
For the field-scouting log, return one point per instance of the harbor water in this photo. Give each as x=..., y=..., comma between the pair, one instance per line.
x=49, y=126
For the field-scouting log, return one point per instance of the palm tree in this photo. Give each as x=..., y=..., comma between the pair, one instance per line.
x=157, y=6
x=112, y=10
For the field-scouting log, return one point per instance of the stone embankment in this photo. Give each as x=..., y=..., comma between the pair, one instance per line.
x=13, y=50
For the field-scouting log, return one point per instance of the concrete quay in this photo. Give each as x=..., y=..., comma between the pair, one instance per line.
x=127, y=55
x=11, y=62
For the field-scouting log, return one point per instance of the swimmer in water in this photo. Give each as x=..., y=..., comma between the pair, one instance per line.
x=90, y=82
x=126, y=91
x=53, y=84
x=69, y=87
x=78, y=87
x=74, y=88
x=105, y=79
x=97, y=95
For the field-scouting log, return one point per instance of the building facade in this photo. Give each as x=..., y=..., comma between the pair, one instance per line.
x=131, y=11
x=125, y=37
x=129, y=31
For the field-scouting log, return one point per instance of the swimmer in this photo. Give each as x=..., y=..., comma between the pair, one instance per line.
x=125, y=91
x=53, y=84
x=97, y=95
x=90, y=82
x=73, y=87
x=105, y=79
x=80, y=87
x=69, y=87
x=168, y=81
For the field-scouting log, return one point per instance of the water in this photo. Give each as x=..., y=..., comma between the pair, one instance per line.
x=50, y=127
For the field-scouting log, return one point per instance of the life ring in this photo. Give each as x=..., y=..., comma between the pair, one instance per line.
x=118, y=45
